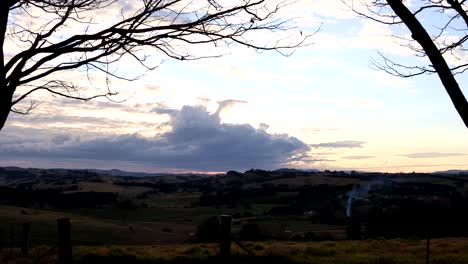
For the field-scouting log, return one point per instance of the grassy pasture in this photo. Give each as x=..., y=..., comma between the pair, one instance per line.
x=110, y=187
x=89, y=229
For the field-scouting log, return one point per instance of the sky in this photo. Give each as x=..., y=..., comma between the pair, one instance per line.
x=322, y=107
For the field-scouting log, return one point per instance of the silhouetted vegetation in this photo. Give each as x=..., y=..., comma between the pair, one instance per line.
x=208, y=231
x=125, y=259
x=281, y=205
x=55, y=198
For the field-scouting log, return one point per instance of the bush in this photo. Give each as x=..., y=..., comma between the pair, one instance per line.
x=251, y=232
x=309, y=236
x=208, y=231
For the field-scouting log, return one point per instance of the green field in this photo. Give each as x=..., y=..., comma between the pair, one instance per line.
x=142, y=226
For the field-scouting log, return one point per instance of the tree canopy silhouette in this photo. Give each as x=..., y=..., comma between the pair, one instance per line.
x=54, y=36
x=443, y=43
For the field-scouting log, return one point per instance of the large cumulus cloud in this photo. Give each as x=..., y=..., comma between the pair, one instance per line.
x=197, y=141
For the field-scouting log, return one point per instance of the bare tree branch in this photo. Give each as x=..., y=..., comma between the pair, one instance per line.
x=443, y=45
x=163, y=26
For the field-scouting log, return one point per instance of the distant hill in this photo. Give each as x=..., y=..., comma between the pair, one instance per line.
x=452, y=172
x=292, y=170
x=112, y=172
x=116, y=172
x=120, y=173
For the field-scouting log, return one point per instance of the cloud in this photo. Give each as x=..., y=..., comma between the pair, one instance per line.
x=358, y=157
x=429, y=155
x=312, y=130
x=340, y=144
x=197, y=140
x=365, y=34
x=313, y=12
x=225, y=104
x=153, y=88
x=160, y=109
x=263, y=126
x=306, y=158
x=60, y=139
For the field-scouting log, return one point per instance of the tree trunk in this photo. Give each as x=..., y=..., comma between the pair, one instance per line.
x=5, y=92
x=5, y=102
x=438, y=62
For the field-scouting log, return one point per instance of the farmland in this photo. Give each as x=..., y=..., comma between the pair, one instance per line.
x=313, y=217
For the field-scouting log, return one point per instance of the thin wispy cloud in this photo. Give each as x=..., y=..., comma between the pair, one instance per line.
x=340, y=144
x=358, y=157
x=225, y=104
x=430, y=155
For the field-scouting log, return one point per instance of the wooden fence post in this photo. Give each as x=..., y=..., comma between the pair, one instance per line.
x=25, y=231
x=3, y=239
x=428, y=247
x=11, y=237
x=225, y=241
x=64, y=241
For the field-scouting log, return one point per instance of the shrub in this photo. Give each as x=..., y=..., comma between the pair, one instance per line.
x=208, y=231
x=251, y=232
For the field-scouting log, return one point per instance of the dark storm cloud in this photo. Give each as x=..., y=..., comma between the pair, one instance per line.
x=197, y=141
x=340, y=144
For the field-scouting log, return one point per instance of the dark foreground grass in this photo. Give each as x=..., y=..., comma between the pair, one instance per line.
x=187, y=260
x=396, y=251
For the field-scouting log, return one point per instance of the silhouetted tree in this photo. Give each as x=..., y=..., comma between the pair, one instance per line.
x=436, y=42
x=53, y=36
x=208, y=231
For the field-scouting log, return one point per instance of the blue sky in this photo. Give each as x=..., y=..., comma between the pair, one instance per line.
x=322, y=107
